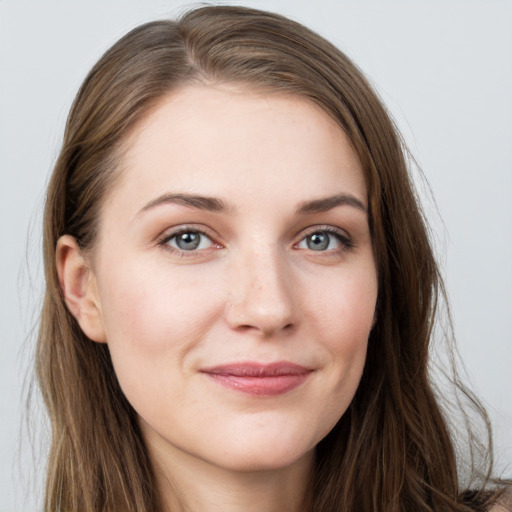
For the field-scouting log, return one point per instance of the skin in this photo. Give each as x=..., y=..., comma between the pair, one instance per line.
x=257, y=289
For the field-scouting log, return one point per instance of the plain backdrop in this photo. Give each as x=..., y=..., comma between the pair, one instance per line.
x=444, y=69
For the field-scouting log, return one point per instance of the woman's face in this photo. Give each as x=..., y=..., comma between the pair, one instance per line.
x=234, y=277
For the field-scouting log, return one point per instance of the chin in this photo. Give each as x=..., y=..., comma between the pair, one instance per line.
x=264, y=460
x=265, y=452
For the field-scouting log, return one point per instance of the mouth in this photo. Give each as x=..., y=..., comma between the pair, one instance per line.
x=259, y=379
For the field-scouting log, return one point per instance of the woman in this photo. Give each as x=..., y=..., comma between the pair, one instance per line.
x=240, y=286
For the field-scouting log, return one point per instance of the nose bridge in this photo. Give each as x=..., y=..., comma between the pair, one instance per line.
x=262, y=292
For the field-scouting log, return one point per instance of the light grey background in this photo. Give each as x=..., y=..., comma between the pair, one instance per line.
x=443, y=67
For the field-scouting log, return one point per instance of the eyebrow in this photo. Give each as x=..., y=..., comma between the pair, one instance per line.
x=211, y=204
x=214, y=204
x=325, y=204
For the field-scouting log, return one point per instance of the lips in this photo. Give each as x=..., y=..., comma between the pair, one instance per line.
x=259, y=379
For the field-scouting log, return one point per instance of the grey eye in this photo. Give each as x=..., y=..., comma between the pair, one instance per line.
x=320, y=241
x=190, y=241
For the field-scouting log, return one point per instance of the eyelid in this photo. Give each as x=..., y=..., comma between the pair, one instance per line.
x=345, y=239
x=163, y=239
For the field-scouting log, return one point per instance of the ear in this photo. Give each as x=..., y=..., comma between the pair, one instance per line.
x=78, y=284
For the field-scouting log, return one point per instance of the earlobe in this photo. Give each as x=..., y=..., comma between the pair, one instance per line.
x=78, y=285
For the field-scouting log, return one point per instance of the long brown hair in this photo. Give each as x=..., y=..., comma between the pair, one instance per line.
x=391, y=450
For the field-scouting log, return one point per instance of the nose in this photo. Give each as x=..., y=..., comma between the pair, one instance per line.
x=262, y=295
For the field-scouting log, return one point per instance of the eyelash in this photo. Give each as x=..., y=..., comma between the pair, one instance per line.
x=166, y=238
x=346, y=243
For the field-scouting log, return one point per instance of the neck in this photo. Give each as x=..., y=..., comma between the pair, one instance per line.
x=188, y=484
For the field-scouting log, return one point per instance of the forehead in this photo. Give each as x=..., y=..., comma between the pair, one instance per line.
x=226, y=140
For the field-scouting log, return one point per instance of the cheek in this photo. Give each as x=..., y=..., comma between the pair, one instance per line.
x=155, y=306
x=153, y=321
x=343, y=318
x=344, y=307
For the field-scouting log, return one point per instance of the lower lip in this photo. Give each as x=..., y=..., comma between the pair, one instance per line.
x=260, y=386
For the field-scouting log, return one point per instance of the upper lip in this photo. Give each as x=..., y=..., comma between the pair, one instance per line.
x=254, y=369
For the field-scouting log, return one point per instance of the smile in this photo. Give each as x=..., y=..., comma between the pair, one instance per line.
x=259, y=379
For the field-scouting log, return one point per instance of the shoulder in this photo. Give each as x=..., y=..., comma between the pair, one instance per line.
x=504, y=503
x=488, y=501
x=501, y=507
